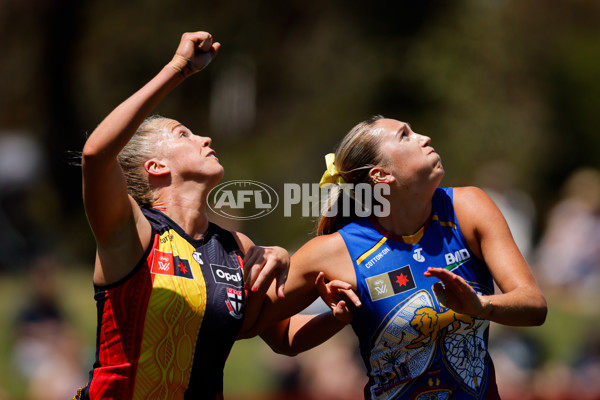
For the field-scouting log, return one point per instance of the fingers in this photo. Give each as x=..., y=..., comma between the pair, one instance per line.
x=340, y=285
x=342, y=313
x=203, y=43
x=280, y=279
x=438, y=288
x=320, y=281
x=450, y=279
x=340, y=307
x=214, y=49
x=253, y=263
x=195, y=51
x=346, y=289
x=352, y=296
x=263, y=265
x=332, y=290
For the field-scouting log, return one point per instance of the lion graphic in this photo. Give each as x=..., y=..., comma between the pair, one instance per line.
x=430, y=323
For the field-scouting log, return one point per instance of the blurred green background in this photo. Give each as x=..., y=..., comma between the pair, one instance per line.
x=507, y=90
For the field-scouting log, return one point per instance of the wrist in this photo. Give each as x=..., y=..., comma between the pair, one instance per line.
x=183, y=65
x=487, y=308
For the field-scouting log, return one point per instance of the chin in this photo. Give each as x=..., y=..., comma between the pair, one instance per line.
x=217, y=176
x=438, y=175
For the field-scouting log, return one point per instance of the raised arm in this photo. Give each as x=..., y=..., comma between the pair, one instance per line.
x=521, y=302
x=120, y=229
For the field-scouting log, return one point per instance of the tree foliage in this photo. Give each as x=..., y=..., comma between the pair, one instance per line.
x=498, y=80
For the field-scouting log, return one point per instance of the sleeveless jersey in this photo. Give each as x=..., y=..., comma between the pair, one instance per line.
x=165, y=331
x=413, y=346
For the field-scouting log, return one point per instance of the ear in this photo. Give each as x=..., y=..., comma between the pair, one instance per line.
x=156, y=167
x=380, y=175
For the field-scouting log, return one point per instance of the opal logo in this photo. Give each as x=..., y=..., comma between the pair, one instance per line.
x=242, y=199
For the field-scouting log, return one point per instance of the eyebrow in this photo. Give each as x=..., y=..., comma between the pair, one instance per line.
x=403, y=127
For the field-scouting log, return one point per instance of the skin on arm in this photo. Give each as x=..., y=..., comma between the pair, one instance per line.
x=287, y=335
x=121, y=231
x=521, y=302
x=303, y=332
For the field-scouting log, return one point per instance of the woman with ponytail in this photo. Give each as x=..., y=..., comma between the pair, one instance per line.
x=424, y=269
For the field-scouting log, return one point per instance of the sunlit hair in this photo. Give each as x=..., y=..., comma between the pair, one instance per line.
x=357, y=153
x=141, y=148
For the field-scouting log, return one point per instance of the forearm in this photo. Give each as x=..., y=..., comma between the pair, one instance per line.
x=516, y=308
x=113, y=133
x=302, y=332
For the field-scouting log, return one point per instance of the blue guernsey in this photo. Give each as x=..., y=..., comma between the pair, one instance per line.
x=413, y=346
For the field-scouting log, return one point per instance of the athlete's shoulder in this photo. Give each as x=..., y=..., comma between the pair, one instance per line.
x=321, y=253
x=471, y=199
x=325, y=253
x=476, y=211
x=323, y=243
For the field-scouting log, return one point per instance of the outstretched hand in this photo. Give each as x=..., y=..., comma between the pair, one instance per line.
x=334, y=293
x=262, y=265
x=195, y=51
x=455, y=293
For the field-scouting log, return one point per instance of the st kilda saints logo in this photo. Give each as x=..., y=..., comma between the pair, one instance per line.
x=233, y=279
x=234, y=303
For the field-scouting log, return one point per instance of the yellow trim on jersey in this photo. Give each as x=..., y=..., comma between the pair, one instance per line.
x=371, y=250
x=415, y=237
x=444, y=223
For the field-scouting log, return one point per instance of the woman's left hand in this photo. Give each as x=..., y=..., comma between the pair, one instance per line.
x=333, y=294
x=455, y=293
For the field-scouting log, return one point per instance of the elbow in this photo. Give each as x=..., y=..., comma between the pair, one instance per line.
x=89, y=153
x=539, y=313
x=542, y=313
x=287, y=352
x=284, y=350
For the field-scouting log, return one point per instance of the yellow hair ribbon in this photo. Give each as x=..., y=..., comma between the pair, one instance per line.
x=332, y=174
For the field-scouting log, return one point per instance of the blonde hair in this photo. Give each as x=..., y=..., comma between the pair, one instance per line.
x=136, y=152
x=356, y=154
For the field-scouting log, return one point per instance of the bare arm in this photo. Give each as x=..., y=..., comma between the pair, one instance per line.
x=120, y=229
x=324, y=253
x=521, y=302
x=302, y=332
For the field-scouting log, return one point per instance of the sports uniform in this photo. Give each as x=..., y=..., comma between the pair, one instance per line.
x=413, y=346
x=165, y=331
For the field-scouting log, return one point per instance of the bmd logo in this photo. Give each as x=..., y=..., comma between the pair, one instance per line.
x=242, y=199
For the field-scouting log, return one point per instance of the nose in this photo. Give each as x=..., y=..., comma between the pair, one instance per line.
x=205, y=140
x=424, y=140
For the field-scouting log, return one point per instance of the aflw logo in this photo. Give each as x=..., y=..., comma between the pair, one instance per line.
x=242, y=199
x=164, y=263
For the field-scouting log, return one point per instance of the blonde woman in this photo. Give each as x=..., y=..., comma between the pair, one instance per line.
x=424, y=269
x=173, y=290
